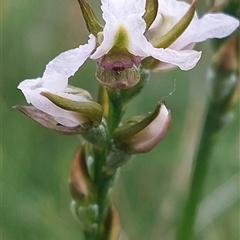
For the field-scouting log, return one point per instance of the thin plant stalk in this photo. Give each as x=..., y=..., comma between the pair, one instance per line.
x=224, y=79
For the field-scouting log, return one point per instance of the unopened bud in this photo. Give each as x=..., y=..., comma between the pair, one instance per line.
x=87, y=216
x=111, y=225
x=80, y=185
x=141, y=134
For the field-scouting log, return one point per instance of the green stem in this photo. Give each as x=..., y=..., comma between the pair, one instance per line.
x=224, y=84
x=115, y=116
x=103, y=178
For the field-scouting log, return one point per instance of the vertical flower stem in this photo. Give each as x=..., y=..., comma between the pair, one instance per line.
x=117, y=102
x=115, y=116
x=92, y=203
x=224, y=79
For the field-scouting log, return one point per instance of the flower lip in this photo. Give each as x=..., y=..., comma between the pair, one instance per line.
x=119, y=62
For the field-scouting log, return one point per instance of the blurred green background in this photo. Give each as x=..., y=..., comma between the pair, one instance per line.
x=150, y=190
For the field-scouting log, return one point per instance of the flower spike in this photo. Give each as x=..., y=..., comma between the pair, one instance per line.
x=150, y=13
x=91, y=20
x=178, y=28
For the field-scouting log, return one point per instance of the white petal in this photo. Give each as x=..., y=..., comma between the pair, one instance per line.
x=209, y=26
x=185, y=60
x=71, y=119
x=55, y=80
x=30, y=85
x=65, y=65
x=169, y=13
x=121, y=9
x=127, y=15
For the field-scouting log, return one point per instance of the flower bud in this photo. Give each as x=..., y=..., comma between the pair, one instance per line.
x=87, y=216
x=80, y=185
x=111, y=224
x=141, y=134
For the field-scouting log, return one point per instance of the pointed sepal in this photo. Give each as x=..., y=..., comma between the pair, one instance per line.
x=177, y=30
x=90, y=18
x=151, y=10
x=90, y=109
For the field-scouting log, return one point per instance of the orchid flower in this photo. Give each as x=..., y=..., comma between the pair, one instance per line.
x=158, y=34
x=54, y=99
x=149, y=33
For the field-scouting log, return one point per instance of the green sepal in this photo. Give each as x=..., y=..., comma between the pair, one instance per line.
x=48, y=121
x=177, y=30
x=133, y=126
x=91, y=20
x=103, y=100
x=151, y=10
x=92, y=110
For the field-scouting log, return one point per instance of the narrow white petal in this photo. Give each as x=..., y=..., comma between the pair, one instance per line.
x=29, y=85
x=55, y=80
x=121, y=9
x=185, y=60
x=66, y=64
x=71, y=119
x=127, y=15
x=216, y=25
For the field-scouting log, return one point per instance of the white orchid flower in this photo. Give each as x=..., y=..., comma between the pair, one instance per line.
x=165, y=30
x=54, y=83
x=155, y=34
x=211, y=25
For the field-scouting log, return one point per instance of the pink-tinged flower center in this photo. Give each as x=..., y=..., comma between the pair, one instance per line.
x=118, y=62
